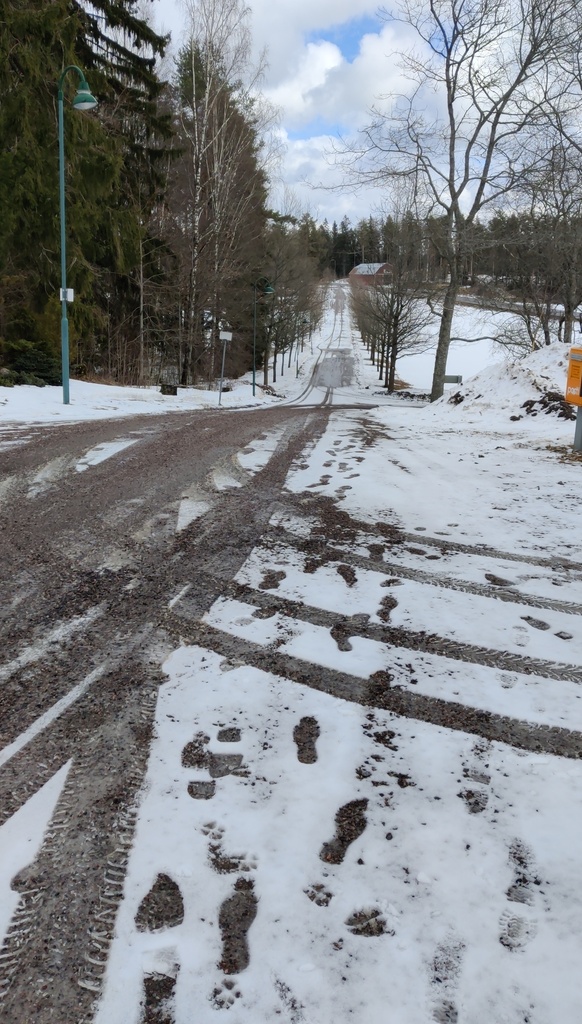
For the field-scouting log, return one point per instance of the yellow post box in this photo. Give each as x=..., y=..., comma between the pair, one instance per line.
x=574, y=382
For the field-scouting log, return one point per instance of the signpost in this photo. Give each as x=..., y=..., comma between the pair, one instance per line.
x=225, y=337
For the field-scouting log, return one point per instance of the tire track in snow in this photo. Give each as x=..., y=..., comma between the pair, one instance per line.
x=394, y=636
x=443, y=713
x=433, y=580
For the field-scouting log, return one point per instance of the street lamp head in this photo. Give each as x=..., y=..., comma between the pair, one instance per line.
x=263, y=287
x=84, y=100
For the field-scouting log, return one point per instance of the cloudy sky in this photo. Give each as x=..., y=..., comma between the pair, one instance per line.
x=329, y=61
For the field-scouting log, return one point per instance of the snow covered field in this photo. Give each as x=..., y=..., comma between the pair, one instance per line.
x=327, y=861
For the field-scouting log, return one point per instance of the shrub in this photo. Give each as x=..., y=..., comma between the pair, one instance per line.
x=29, y=378
x=27, y=360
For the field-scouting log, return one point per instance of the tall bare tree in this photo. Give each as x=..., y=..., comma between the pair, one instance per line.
x=557, y=200
x=220, y=180
x=486, y=73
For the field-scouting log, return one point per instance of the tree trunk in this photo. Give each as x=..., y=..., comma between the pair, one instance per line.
x=568, y=325
x=392, y=376
x=141, y=314
x=185, y=364
x=266, y=364
x=442, y=352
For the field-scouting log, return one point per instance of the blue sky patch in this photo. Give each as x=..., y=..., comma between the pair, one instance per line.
x=347, y=36
x=318, y=126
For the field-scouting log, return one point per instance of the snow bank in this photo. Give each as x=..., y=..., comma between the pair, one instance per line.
x=495, y=396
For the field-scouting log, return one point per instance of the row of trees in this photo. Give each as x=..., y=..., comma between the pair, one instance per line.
x=167, y=220
x=112, y=161
x=394, y=314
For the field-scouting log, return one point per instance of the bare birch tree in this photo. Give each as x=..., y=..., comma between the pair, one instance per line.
x=218, y=80
x=492, y=67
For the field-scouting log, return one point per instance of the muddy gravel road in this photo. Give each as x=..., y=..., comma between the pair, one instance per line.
x=92, y=557
x=103, y=527
x=116, y=538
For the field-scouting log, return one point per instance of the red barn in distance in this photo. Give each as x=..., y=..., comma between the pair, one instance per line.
x=370, y=273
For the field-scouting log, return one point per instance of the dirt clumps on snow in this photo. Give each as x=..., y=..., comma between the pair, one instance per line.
x=550, y=402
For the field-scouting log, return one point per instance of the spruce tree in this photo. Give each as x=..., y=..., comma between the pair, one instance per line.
x=107, y=153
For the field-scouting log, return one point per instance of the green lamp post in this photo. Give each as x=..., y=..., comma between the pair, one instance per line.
x=266, y=289
x=83, y=101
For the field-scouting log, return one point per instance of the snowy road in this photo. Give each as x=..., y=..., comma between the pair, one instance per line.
x=341, y=793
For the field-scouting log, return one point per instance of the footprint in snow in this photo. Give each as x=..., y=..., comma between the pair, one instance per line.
x=202, y=790
x=475, y=799
x=158, y=998
x=220, y=765
x=235, y=917
x=445, y=1013
x=341, y=634
x=225, y=995
x=369, y=922
x=306, y=734
x=221, y=862
x=521, y=891
x=350, y=823
x=535, y=623
x=446, y=966
x=194, y=754
x=319, y=895
x=162, y=907
x=515, y=931
x=520, y=636
x=271, y=580
x=228, y=735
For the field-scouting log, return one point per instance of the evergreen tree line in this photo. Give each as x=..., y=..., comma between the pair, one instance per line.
x=169, y=237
